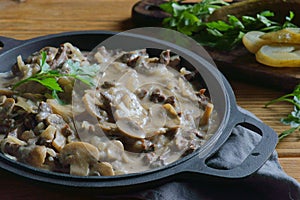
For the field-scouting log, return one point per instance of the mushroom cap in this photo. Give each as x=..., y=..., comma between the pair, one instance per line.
x=75, y=152
x=130, y=128
x=80, y=156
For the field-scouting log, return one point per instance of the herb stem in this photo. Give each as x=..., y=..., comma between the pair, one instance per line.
x=293, y=119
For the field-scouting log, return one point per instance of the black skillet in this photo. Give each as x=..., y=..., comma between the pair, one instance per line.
x=193, y=165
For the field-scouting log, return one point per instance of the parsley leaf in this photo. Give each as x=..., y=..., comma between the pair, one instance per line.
x=191, y=19
x=85, y=74
x=48, y=82
x=48, y=77
x=45, y=76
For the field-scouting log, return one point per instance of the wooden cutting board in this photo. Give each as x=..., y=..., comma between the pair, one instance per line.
x=238, y=63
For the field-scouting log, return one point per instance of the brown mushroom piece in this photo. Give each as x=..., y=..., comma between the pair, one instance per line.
x=59, y=141
x=60, y=57
x=44, y=110
x=174, y=120
x=114, y=150
x=104, y=168
x=130, y=128
x=130, y=80
x=7, y=106
x=89, y=105
x=6, y=92
x=57, y=121
x=47, y=135
x=11, y=144
x=65, y=111
x=34, y=155
x=27, y=135
x=165, y=57
x=27, y=105
x=205, y=117
x=157, y=120
x=80, y=156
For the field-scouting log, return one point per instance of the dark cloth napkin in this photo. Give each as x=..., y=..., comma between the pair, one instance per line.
x=269, y=182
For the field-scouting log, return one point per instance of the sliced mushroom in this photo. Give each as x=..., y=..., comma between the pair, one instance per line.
x=34, y=155
x=130, y=80
x=105, y=56
x=51, y=152
x=165, y=57
x=80, y=156
x=206, y=115
x=44, y=110
x=60, y=57
x=67, y=84
x=7, y=106
x=59, y=141
x=25, y=69
x=107, y=126
x=48, y=134
x=126, y=104
x=37, y=156
x=11, y=144
x=6, y=92
x=130, y=128
x=156, y=121
x=27, y=135
x=174, y=61
x=171, y=110
x=65, y=111
x=114, y=150
x=89, y=104
x=2, y=99
x=55, y=120
x=173, y=119
x=104, y=168
x=27, y=105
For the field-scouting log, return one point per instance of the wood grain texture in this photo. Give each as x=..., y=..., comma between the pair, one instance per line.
x=35, y=18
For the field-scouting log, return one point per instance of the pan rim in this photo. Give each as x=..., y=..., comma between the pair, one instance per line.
x=27, y=169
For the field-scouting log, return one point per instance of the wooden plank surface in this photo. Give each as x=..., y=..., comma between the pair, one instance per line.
x=35, y=18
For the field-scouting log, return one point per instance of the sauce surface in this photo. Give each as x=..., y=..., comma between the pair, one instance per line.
x=117, y=112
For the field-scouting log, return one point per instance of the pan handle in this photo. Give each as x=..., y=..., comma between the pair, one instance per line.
x=6, y=43
x=257, y=157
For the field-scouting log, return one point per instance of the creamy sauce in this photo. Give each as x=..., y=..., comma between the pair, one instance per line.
x=141, y=114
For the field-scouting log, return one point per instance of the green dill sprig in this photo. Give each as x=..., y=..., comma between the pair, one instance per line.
x=293, y=118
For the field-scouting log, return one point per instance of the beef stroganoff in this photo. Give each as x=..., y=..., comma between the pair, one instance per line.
x=102, y=113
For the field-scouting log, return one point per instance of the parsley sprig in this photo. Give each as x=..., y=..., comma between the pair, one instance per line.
x=293, y=119
x=187, y=18
x=224, y=35
x=49, y=77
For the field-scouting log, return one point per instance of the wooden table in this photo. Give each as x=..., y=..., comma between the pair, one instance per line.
x=34, y=18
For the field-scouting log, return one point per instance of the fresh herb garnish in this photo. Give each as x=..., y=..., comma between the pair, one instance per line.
x=48, y=77
x=188, y=18
x=45, y=76
x=192, y=20
x=293, y=119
